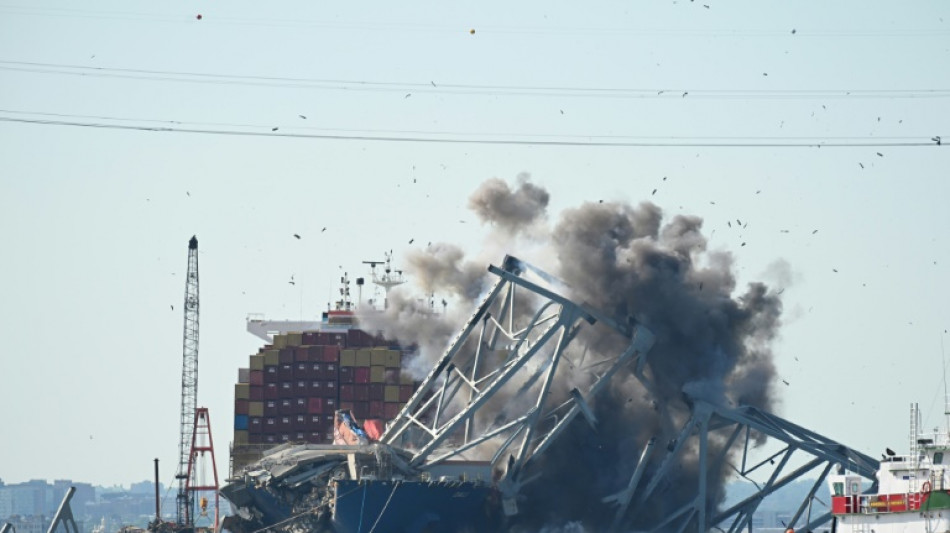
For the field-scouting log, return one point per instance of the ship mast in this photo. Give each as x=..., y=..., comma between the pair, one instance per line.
x=389, y=279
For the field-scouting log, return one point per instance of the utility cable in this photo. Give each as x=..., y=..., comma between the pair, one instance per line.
x=462, y=88
x=656, y=143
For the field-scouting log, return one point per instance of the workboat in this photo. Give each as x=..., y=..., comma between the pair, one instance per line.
x=911, y=494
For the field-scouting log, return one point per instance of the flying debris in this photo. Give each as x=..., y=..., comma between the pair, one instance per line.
x=172, y=306
x=814, y=232
x=653, y=193
x=199, y=16
x=936, y=140
x=297, y=236
x=324, y=229
x=862, y=164
x=785, y=382
x=407, y=95
x=685, y=93
x=834, y=269
x=187, y=193
x=274, y=128
x=433, y=83
x=472, y=31
x=292, y=282
x=743, y=244
x=302, y=116
x=729, y=222
x=879, y=154
x=411, y=241
x=793, y=31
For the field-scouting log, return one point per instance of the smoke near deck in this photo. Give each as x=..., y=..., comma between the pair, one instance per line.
x=631, y=262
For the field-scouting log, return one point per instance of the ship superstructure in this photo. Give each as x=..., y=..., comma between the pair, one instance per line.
x=911, y=492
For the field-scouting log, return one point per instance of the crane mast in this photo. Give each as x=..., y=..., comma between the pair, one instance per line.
x=189, y=386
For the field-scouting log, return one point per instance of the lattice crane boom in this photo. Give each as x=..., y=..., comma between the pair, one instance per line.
x=189, y=386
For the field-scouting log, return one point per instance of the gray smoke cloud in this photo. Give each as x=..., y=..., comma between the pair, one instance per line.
x=712, y=339
x=512, y=210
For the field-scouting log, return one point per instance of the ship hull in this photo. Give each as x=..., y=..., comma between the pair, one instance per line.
x=928, y=522
x=412, y=507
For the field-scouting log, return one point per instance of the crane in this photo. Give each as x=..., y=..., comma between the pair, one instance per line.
x=189, y=387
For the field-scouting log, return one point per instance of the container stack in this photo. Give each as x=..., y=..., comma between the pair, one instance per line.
x=291, y=389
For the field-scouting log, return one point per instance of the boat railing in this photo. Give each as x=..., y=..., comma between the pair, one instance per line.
x=877, y=503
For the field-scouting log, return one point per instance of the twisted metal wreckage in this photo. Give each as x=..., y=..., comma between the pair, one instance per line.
x=494, y=396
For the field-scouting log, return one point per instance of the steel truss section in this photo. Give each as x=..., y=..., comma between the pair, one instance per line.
x=512, y=345
x=64, y=515
x=738, y=429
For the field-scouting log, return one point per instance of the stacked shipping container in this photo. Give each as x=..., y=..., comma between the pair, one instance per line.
x=291, y=389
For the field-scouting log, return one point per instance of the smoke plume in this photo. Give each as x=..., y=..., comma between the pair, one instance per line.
x=712, y=338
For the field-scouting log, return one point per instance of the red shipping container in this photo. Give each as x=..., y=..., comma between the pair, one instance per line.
x=361, y=393
x=331, y=354
x=309, y=337
x=270, y=374
x=377, y=392
x=361, y=374
x=346, y=374
x=240, y=407
x=270, y=407
x=331, y=371
x=329, y=389
x=301, y=354
x=356, y=338
x=300, y=405
x=256, y=377
x=315, y=353
x=346, y=405
x=270, y=391
x=375, y=409
x=329, y=404
x=391, y=410
x=302, y=370
x=346, y=392
x=256, y=393
x=285, y=355
x=316, y=370
x=405, y=392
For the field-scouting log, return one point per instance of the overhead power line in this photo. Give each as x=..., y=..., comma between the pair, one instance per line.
x=463, y=88
x=672, y=142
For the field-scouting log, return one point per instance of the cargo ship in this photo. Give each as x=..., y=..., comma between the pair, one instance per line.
x=911, y=494
x=459, y=449
x=310, y=409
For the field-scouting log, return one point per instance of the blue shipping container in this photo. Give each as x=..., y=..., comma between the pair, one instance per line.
x=240, y=421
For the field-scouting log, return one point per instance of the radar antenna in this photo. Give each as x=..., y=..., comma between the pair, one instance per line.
x=389, y=278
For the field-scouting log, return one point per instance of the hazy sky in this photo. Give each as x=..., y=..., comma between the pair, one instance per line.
x=96, y=220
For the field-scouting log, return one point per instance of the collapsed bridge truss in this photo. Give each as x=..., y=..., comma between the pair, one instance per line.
x=491, y=395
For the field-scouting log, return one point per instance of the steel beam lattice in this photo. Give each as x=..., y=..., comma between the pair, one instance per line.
x=512, y=345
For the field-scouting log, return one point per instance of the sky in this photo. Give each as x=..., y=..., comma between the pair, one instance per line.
x=127, y=127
